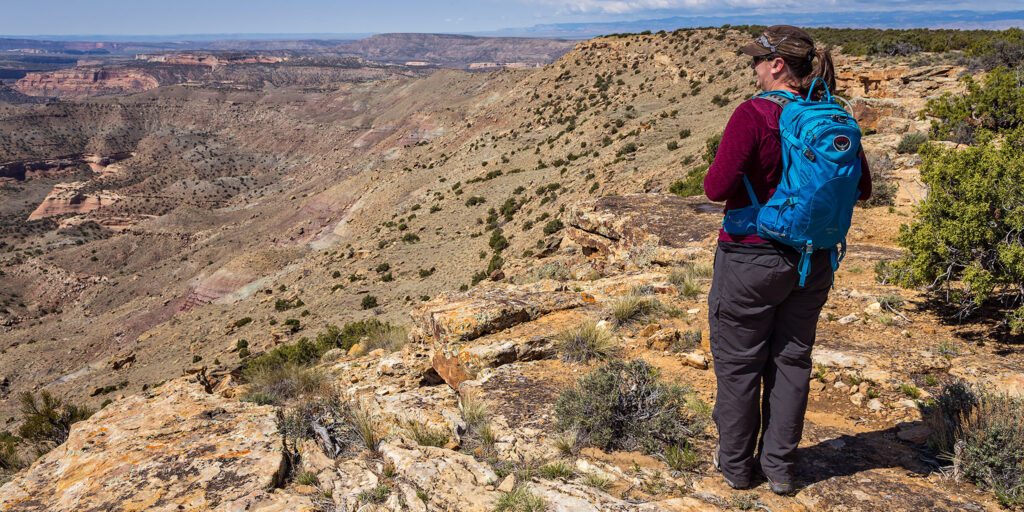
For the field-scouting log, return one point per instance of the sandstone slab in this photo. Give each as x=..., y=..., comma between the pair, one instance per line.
x=455, y=481
x=452, y=321
x=178, y=448
x=636, y=230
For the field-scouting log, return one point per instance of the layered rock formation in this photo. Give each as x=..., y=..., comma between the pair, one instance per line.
x=208, y=59
x=67, y=198
x=82, y=82
x=886, y=97
x=22, y=170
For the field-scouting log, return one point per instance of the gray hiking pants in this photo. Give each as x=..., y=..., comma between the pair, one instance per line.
x=762, y=330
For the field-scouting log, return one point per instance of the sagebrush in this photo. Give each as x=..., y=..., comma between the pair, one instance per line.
x=624, y=406
x=981, y=433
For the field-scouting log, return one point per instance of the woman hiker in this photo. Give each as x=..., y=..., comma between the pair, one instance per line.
x=762, y=322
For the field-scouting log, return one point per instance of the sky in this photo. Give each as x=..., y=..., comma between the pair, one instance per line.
x=165, y=17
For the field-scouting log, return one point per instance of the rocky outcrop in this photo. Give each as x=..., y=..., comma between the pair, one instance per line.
x=857, y=77
x=450, y=320
x=67, y=198
x=175, y=449
x=21, y=170
x=82, y=82
x=635, y=230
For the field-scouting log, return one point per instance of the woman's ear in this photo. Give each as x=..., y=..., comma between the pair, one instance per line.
x=777, y=65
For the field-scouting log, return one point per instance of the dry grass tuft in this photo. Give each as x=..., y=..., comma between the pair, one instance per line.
x=631, y=306
x=586, y=342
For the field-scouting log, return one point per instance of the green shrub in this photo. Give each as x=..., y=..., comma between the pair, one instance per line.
x=293, y=324
x=682, y=457
x=498, y=242
x=586, y=342
x=597, y=481
x=553, y=226
x=891, y=302
x=711, y=148
x=980, y=432
x=628, y=148
x=242, y=321
x=260, y=398
x=496, y=262
x=47, y=422
x=305, y=352
x=10, y=461
x=685, y=282
x=995, y=104
x=911, y=142
x=307, y=478
x=377, y=495
x=344, y=338
x=623, y=406
x=672, y=145
x=692, y=185
x=965, y=238
x=286, y=304
x=910, y=390
x=302, y=353
x=368, y=302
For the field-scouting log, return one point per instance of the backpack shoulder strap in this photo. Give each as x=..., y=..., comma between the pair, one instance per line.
x=780, y=98
x=781, y=101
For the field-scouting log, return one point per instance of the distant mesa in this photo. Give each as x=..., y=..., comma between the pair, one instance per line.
x=82, y=82
x=208, y=59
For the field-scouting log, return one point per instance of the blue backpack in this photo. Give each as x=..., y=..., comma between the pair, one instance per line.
x=813, y=204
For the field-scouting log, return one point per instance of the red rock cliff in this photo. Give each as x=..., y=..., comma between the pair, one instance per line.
x=80, y=82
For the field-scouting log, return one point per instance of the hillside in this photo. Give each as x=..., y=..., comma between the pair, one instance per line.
x=173, y=224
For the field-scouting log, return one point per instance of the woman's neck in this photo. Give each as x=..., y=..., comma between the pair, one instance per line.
x=781, y=85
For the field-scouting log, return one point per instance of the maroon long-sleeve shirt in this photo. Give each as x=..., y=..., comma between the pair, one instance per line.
x=751, y=146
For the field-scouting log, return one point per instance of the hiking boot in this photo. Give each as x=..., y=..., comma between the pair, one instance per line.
x=718, y=467
x=782, y=489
